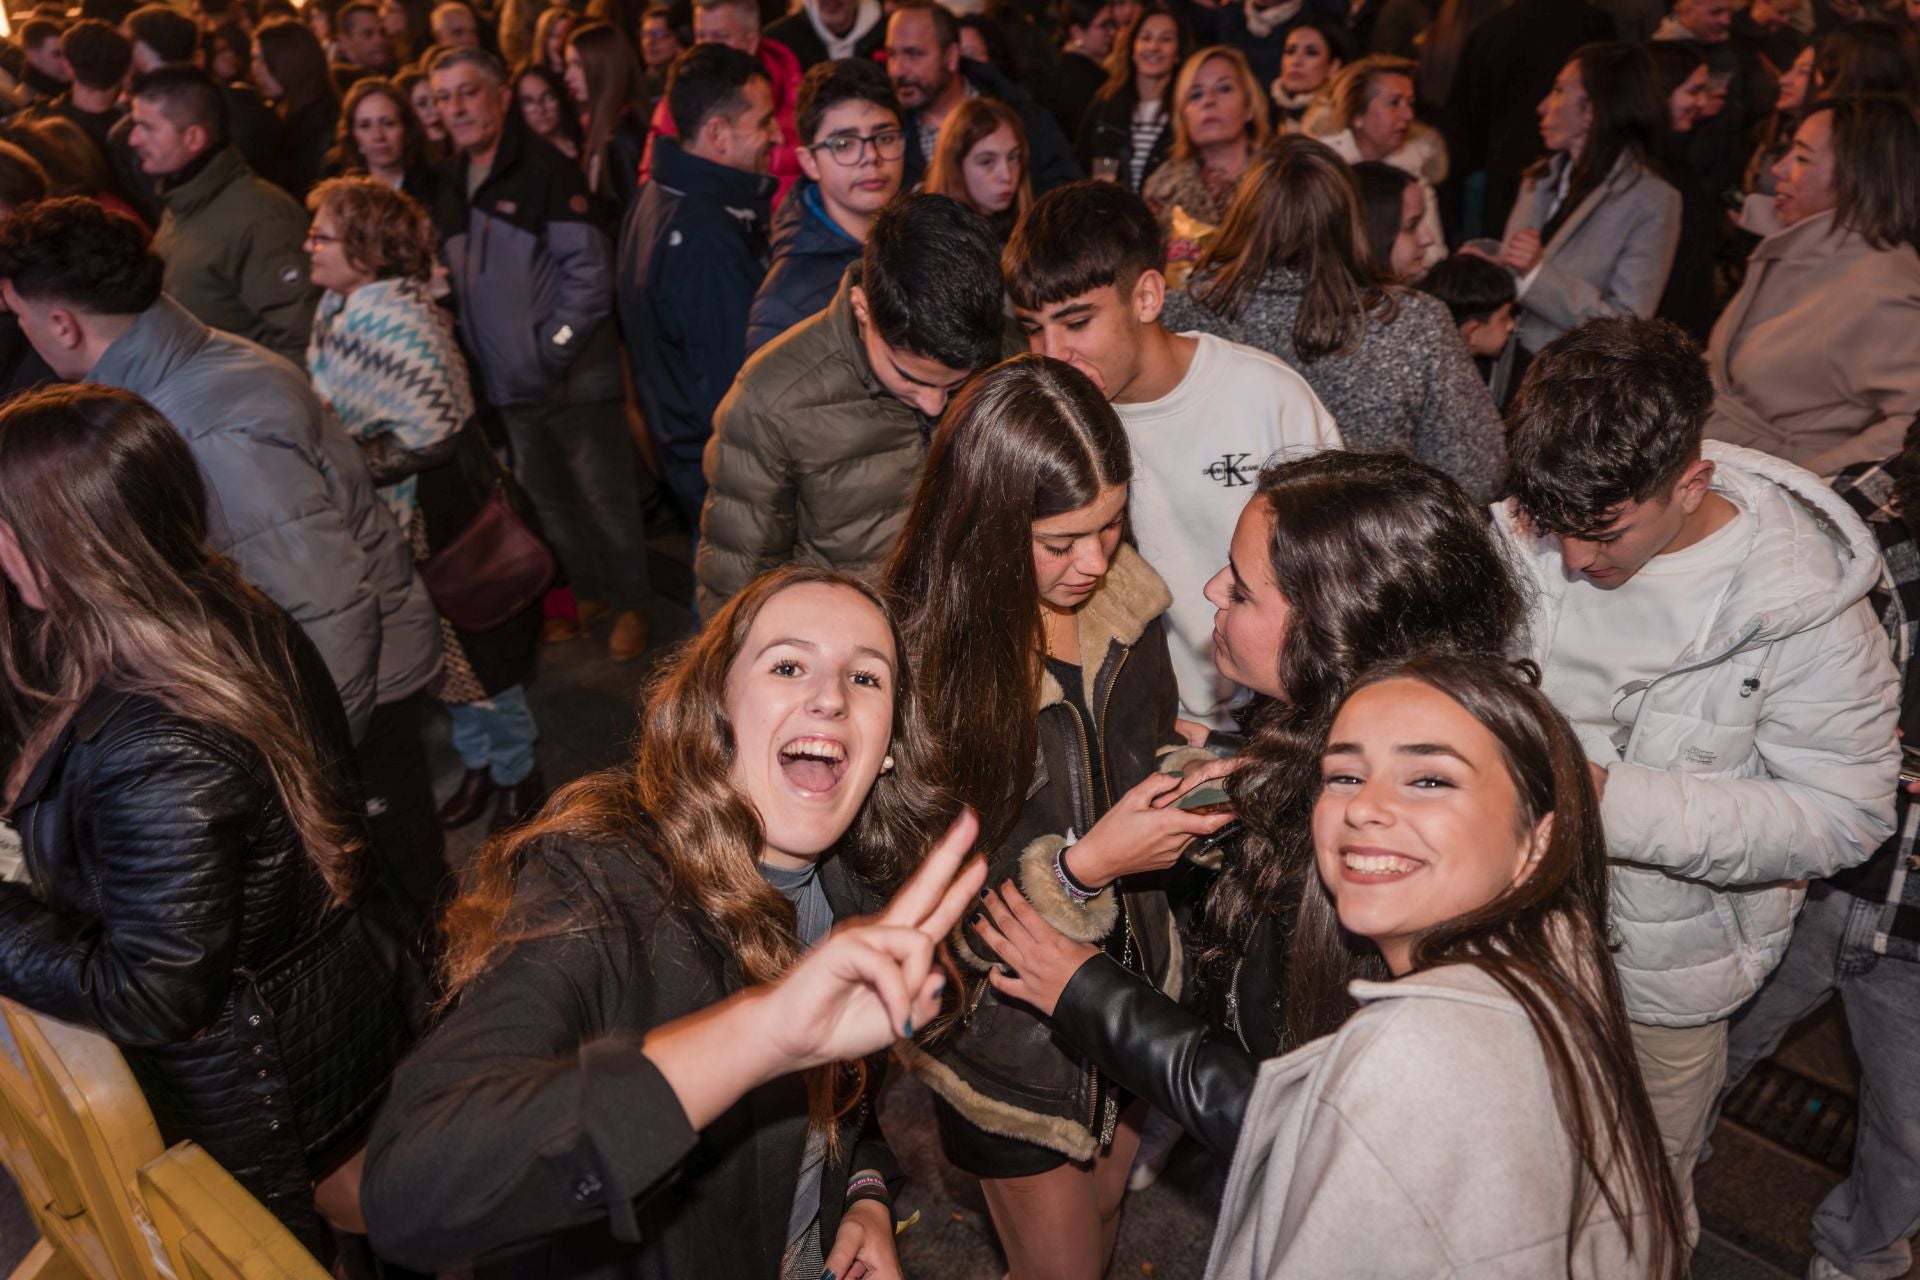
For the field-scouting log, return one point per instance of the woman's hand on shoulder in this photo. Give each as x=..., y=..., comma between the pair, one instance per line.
x=863, y=1246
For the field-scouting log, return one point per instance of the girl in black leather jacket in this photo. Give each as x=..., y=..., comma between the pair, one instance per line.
x=177, y=754
x=1042, y=657
x=1340, y=561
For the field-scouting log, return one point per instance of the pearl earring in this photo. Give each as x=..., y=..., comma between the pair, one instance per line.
x=886, y=765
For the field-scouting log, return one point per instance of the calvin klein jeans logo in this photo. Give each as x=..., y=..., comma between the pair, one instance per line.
x=1229, y=470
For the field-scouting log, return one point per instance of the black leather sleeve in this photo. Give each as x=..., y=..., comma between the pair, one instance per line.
x=1172, y=1057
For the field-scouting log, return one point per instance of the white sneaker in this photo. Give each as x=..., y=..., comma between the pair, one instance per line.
x=1158, y=1137
x=1821, y=1269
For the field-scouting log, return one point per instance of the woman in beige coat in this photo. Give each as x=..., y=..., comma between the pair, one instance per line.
x=1817, y=358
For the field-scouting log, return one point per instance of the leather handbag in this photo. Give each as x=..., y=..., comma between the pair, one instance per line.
x=495, y=568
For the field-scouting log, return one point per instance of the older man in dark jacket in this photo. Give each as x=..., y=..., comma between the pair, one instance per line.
x=693, y=252
x=816, y=450
x=529, y=268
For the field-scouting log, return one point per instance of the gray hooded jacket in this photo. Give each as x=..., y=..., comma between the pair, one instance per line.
x=289, y=500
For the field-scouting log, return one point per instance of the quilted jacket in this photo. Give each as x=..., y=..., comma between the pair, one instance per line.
x=173, y=910
x=1764, y=758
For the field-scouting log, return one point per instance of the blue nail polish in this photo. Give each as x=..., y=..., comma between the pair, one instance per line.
x=826, y=1275
x=906, y=1028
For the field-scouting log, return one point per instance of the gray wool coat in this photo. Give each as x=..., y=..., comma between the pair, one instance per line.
x=1409, y=386
x=1611, y=257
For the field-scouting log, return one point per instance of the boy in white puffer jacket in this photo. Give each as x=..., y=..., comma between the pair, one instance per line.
x=1701, y=618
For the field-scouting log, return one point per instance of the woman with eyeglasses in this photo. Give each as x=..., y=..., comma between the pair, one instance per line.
x=540, y=96
x=852, y=150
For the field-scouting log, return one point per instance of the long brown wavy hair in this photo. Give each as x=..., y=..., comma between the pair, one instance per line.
x=109, y=507
x=676, y=809
x=1298, y=209
x=1028, y=439
x=1544, y=941
x=1377, y=555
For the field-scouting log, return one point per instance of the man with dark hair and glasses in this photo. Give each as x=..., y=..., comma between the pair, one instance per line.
x=693, y=252
x=851, y=148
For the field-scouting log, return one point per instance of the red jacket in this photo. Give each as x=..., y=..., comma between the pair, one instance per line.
x=783, y=68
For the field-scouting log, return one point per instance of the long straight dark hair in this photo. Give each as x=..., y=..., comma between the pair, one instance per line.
x=615, y=91
x=1629, y=119
x=1121, y=82
x=1377, y=555
x=1028, y=439
x=108, y=505
x=1298, y=208
x=1544, y=941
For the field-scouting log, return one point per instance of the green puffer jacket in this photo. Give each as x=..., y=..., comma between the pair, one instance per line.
x=811, y=460
x=232, y=244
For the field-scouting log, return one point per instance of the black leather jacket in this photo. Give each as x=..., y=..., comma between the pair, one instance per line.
x=1002, y=1067
x=174, y=910
x=1194, y=1068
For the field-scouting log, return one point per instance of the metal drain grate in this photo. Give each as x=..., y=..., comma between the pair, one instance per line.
x=1802, y=1115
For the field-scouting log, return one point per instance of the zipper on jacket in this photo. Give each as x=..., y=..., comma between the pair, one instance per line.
x=1100, y=726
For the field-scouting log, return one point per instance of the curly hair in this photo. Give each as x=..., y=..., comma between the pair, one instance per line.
x=72, y=250
x=382, y=231
x=1377, y=555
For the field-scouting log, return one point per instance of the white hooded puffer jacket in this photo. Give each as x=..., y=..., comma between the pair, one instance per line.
x=1765, y=758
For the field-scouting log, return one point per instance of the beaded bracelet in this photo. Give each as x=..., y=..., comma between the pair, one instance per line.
x=1072, y=887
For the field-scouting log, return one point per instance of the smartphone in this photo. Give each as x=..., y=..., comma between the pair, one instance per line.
x=1208, y=797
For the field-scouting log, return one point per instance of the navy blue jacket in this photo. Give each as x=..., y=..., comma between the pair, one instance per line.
x=1050, y=159
x=810, y=254
x=692, y=253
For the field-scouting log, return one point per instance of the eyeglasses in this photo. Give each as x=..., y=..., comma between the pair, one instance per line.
x=314, y=237
x=851, y=148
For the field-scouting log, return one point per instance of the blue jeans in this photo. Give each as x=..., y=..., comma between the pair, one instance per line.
x=1863, y=1224
x=496, y=734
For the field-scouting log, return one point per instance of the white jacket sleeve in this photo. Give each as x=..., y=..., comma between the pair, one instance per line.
x=1826, y=737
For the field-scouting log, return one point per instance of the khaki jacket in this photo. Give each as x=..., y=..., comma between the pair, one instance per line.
x=232, y=244
x=1817, y=358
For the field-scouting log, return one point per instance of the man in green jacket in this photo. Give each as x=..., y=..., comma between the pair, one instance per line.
x=232, y=242
x=816, y=449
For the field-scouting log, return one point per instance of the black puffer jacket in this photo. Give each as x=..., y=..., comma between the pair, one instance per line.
x=1002, y=1067
x=174, y=910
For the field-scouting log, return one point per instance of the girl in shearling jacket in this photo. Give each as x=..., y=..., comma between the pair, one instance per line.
x=1041, y=654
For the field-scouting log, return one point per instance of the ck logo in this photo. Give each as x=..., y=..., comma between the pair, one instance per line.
x=1229, y=470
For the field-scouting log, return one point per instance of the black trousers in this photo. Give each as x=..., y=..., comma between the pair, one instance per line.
x=409, y=850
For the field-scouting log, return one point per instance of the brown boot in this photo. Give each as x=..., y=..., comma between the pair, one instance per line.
x=631, y=632
x=469, y=799
x=560, y=630
x=519, y=802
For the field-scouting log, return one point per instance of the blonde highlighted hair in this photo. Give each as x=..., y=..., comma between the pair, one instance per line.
x=1259, y=129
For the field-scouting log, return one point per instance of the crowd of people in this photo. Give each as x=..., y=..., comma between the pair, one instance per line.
x=1331, y=576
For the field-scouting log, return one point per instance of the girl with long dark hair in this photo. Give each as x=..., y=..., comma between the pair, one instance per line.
x=1340, y=561
x=1483, y=1103
x=290, y=69
x=1595, y=227
x=179, y=778
x=610, y=1095
x=604, y=80
x=1291, y=272
x=1043, y=662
